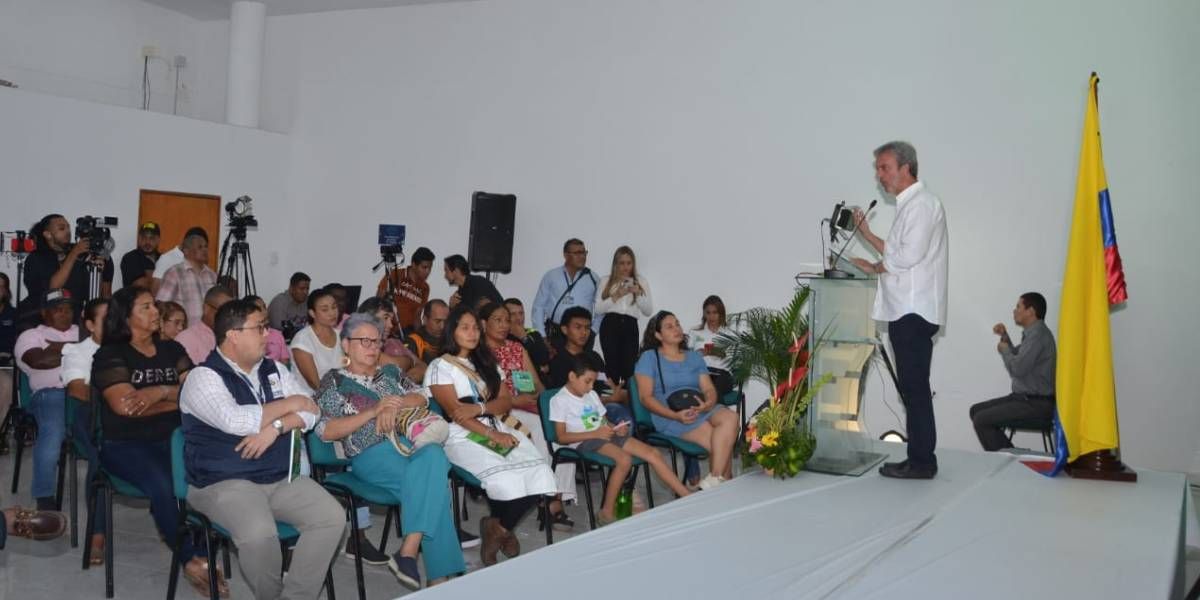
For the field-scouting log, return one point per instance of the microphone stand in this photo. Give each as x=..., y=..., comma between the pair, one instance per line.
x=835, y=273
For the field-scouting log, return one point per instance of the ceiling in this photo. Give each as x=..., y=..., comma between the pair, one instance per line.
x=218, y=10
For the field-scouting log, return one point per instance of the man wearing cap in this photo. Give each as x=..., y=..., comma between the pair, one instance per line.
x=39, y=356
x=137, y=266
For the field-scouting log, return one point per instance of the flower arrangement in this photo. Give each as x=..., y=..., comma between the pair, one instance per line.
x=777, y=437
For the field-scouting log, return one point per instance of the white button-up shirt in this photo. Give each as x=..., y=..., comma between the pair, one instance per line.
x=916, y=256
x=205, y=397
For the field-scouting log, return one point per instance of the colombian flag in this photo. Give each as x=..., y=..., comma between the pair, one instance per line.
x=1093, y=280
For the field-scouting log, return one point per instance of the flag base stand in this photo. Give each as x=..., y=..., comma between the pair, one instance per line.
x=1102, y=465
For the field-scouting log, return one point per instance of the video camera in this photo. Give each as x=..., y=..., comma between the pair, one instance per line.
x=241, y=213
x=96, y=230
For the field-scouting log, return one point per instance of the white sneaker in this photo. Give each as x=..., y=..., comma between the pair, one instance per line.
x=709, y=482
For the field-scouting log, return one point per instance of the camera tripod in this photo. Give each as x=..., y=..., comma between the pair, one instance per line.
x=15, y=411
x=236, y=267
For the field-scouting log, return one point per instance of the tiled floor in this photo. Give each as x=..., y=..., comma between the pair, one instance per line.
x=51, y=570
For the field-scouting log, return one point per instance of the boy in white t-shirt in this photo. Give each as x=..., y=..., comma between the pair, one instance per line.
x=579, y=422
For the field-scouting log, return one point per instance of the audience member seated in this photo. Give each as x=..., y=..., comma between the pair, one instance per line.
x=198, y=339
x=288, y=310
x=37, y=525
x=531, y=339
x=524, y=386
x=174, y=320
x=342, y=296
x=56, y=263
x=410, y=288
x=8, y=339
x=140, y=378
x=576, y=330
x=579, y=421
x=572, y=284
x=39, y=356
x=77, y=376
x=188, y=281
x=394, y=352
x=174, y=256
x=137, y=265
x=381, y=416
x=315, y=349
x=240, y=411
x=703, y=338
x=623, y=296
x=666, y=367
x=426, y=341
x=1031, y=366
x=473, y=290
x=277, y=348
x=465, y=382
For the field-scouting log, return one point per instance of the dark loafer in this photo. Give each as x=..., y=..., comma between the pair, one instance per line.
x=405, y=570
x=907, y=470
x=39, y=525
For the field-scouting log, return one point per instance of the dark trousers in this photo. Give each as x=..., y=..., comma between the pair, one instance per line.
x=912, y=342
x=510, y=511
x=992, y=417
x=619, y=341
x=147, y=465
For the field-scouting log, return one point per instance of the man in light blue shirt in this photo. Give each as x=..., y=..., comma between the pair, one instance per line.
x=572, y=284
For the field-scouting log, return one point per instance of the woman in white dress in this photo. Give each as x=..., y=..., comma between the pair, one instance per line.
x=465, y=382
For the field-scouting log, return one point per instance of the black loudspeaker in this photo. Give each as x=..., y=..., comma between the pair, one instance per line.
x=492, y=218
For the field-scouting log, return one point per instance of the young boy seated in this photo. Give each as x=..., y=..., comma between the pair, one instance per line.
x=579, y=421
x=576, y=325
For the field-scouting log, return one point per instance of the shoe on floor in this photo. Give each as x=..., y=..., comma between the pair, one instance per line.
x=709, y=482
x=467, y=539
x=405, y=570
x=907, y=470
x=38, y=525
x=370, y=554
x=493, y=536
x=510, y=545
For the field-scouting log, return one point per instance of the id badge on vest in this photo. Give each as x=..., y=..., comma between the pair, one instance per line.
x=276, y=384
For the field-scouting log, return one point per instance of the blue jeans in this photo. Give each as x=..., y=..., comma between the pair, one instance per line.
x=49, y=409
x=147, y=465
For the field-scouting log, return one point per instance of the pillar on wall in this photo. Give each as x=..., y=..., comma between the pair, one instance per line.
x=247, y=32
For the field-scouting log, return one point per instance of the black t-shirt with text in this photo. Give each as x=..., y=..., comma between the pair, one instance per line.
x=122, y=363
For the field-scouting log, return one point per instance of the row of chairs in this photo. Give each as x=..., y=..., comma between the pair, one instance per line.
x=334, y=474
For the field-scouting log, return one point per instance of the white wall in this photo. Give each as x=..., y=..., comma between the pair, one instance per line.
x=713, y=135
x=75, y=158
x=91, y=49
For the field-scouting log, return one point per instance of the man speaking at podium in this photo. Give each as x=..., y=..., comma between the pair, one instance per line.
x=911, y=296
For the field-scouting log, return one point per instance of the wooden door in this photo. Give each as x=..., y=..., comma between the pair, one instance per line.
x=175, y=213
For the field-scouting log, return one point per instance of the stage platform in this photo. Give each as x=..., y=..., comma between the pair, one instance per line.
x=986, y=527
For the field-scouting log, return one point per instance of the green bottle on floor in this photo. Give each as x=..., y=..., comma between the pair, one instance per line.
x=624, y=507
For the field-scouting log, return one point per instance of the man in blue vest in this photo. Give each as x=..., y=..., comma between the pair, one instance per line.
x=240, y=413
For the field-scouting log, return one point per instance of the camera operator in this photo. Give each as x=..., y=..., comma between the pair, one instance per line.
x=137, y=265
x=57, y=263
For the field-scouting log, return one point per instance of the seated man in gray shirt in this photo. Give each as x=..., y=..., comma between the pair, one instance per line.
x=1031, y=366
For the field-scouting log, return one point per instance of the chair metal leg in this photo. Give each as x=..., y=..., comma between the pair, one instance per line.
x=180, y=531
x=587, y=493
x=19, y=435
x=649, y=491
x=454, y=504
x=74, y=500
x=91, y=525
x=544, y=508
x=387, y=527
x=213, y=592
x=109, y=541
x=354, y=530
x=328, y=584
x=225, y=551
x=61, y=478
